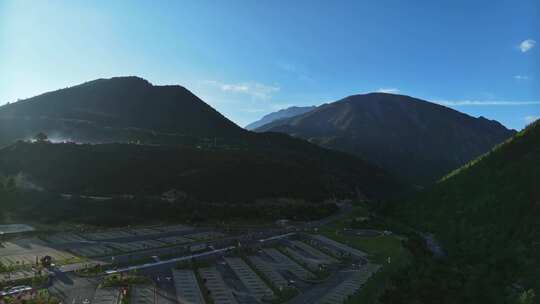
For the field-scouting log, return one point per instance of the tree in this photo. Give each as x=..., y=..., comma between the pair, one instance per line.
x=10, y=184
x=41, y=137
x=527, y=297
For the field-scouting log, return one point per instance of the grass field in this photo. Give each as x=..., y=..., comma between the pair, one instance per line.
x=385, y=250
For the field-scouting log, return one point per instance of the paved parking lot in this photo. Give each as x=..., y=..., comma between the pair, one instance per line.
x=187, y=287
x=107, y=235
x=311, y=263
x=315, y=253
x=136, y=246
x=63, y=238
x=25, y=252
x=350, y=286
x=219, y=291
x=175, y=240
x=284, y=263
x=173, y=228
x=205, y=236
x=151, y=294
x=269, y=272
x=72, y=289
x=142, y=294
x=144, y=231
x=256, y=286
x=93, y=251
x=338, y=248
x=106, y=296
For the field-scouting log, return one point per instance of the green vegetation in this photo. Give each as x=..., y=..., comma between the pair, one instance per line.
x=381, y=250
x=486, y=218
x=48, y=208
x=285, y=294
x=294, y=169
x=204, y=290
x=41, y=297
x=35, y=281
x=238, y=178
x=91, y=271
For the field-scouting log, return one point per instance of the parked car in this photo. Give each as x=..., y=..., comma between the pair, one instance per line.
x=15, y=290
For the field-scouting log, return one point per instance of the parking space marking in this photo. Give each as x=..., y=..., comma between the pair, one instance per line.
x=219, y=291
x=284, y=263
x=187, y=287
x=249, y=278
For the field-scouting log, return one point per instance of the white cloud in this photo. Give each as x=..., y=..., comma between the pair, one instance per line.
x=521, y=77
x=254, y=89
x=388, y=90
x=486, y=103
x=531, y=118
x=526, y=45
x=234, y=88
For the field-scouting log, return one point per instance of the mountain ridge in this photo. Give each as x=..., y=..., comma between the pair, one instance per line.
x=485, y=214
x=113, y=106
x=114, y=126
x=280, y=114
x=415, y=139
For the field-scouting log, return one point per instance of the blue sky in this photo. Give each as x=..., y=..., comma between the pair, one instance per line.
x=249, y=58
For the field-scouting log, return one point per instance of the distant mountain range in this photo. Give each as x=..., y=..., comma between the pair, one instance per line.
x=181, y=143
x=284, y=113
x=416, y=140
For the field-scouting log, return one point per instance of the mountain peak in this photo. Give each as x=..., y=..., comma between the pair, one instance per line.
x=113, y=105
x=119, y=80
x=281, y=114
x=415, y=139
x=379, y=97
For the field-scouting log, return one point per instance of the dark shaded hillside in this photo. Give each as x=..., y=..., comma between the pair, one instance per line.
x=116, y=109
x=185, y=145
x=414, y=139
x=284, y=113
x=487, y=217
x=293, y=169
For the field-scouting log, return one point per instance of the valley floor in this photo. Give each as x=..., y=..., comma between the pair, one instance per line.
x=312, y=262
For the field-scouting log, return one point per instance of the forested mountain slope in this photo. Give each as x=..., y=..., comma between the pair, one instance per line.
x=487, y=217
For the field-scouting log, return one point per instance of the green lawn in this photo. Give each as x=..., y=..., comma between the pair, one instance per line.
x=379, y=248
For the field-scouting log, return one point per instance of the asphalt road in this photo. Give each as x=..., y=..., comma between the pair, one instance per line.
x=73, y=289
x=314, y=293
x=134, y=238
